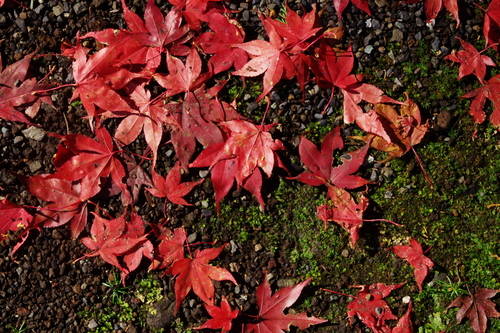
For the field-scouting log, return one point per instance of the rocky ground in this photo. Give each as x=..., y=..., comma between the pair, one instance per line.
x=46, y=291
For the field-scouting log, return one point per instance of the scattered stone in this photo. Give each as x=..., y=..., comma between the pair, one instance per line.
x=34, y=165
x=345, y=253
x=192, y=237
x=18, y=139
x=92, y=324
x=444, y=119
x=397, y=36
x=368, y=49
x=234, y=246
x=80, y=7
x=58, y=10
x=285, y=283
x=258, y=247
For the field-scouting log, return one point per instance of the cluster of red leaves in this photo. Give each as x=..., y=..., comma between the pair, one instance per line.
x=114, y=82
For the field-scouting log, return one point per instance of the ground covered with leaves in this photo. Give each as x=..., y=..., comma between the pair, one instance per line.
x=172, y=166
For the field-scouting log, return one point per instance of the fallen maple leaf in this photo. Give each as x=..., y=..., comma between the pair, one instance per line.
x=404, y=324
x=68, y=200
x=17, y=90
x=433, y=7
x=171, y=187
x=196, y=274
x=271, y=306
x=116, y=238
x=404, y=128
x=171, y=247
x=415, y=256
x=334, y=70
x=340, y=5
x=12, y=217
x=369, y=306
x=225, y=33
x=344, y=211
x=239, y=158
x=471, y=61
x=489, y=90
x=477, y=308
x=85, y=157
x=491, y=25
x=221, y=316
x=319, y=163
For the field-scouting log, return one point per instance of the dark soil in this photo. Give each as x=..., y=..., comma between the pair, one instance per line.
x=47, y=291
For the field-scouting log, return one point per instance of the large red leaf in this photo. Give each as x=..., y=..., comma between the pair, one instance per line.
x=471, y=61
x=490, y=90
x=14, y=95
x=12, y=217
x=415, y=256
x=171, y=247
x=344, y=211
x=221, y=316
x=271, y=318
x=112, y=239
x=85, y=157
x=334, y=70
x=340, y=5
x=247, y=149
x=225, y=33
x=477, y=308
x=171, y=186
x=369, y=306
x=270, y=58
x=197, y=275
x=67, y=200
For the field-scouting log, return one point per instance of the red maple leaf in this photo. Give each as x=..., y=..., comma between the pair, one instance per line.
x=477, y=308
x=148, y=117
x=85, y=157
x=198, y=115
x=404, y=128
x=369, y=306
x=415, y=256
x=433, y=7
x=196, y=274
x=340, y=5
x=171, y=187
x=116, y=238
x=171, y=247
x=12, y=217
x=14, y=95
x=271, y=306
x=183, y=77
x=225, y=33
x=471, y=61
x=67, y=199
x=147, y=40
x=97, y=81
x=247, y=148
x=319, y=163
x=221, y=316
x=404, y=324
x=343, y=209
x=333, y=70
x=489, y=90
x=271, y=58
x=491, y=25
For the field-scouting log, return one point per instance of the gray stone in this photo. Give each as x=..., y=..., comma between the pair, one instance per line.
x=397, y=36
x=80, y=7
x=34, y=133
x=58, y=10
x=18, y=139
x=369, y=49
x=34, y=165
x=92, y=324
x=436, y=44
